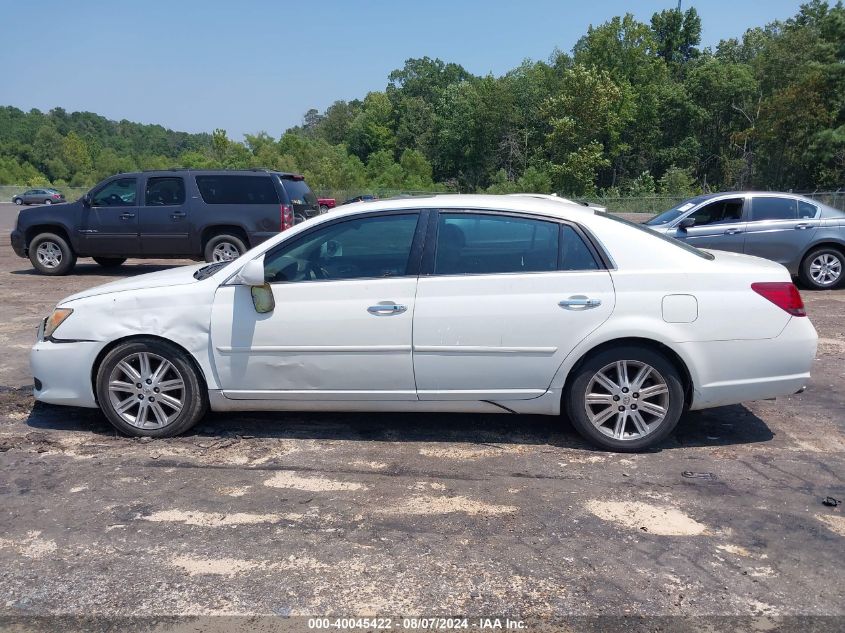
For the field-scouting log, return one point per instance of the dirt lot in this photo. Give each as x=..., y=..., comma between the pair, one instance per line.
x=354, y=514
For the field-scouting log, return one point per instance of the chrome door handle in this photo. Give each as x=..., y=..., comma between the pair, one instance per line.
x=387, y=308
x=732, y=231
x=178, y=215
x=127, y=216
x=801, y=226
x=579, y=302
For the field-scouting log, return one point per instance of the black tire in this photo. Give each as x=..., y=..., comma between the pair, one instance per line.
x=110, y=262
x=47, y=201
x=17, y=201
x=66, y=258
x=220, y=242
x=830, y=255
x=324, y=209
x=194, y=395
x=576, y=405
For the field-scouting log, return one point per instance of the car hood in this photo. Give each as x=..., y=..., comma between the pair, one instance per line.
x=177, y=276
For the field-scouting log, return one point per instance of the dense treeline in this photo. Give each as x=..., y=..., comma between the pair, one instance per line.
x=634, y=109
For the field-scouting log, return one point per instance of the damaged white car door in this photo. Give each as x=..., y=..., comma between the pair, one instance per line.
x=340, y=328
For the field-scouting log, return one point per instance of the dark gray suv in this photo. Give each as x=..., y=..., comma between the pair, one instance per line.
x=804, y=235
x=212, y=214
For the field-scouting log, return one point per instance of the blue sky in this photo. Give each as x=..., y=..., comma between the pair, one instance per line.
x=257, y=65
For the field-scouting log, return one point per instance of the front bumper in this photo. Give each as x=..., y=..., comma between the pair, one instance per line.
x=62, y=371
x=730, y=372
x=18, y=243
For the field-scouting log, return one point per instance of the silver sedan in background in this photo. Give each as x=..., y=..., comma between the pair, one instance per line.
x=804, y=235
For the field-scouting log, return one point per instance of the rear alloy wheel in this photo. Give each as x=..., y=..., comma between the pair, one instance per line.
x=324, y=209
x=48, y=201
x=150, y=388
x=224, y=248
x=110, y=262
x=50, y=254
x=18, y=201
x=822, y=269
x=625, y=399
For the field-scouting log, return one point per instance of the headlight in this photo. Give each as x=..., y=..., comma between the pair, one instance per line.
x=55, y=320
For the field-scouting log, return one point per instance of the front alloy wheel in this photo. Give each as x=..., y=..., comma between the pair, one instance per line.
x=49, y=254
x=626, y=399
x=146, y=390
x=150, y=387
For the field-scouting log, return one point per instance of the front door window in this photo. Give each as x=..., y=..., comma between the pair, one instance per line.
x=117, y=193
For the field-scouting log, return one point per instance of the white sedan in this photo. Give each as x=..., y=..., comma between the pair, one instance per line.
x=493, y=304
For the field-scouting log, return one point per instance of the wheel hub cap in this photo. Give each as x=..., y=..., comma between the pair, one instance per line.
x=146, y=390
x=627, y=400
x=49, y=254
x=225, y=252
x=826, y=269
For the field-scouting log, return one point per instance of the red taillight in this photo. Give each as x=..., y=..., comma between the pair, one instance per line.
x=783, y=294
x=287, y=216
x=55, y=195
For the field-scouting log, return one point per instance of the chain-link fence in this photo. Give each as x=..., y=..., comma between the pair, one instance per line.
x=621, y=204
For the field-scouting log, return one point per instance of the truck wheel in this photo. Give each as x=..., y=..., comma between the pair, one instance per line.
x=324, y=209
x=625, y=399
x=50, y=254
x=110, y=262
x=822, y=268
x=150, y=387
x=224, y=248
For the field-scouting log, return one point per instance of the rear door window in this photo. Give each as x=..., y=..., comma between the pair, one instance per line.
x=574, y=253
x=806, y=210
x=773, y=208
x=164, y=191
x=226, y=189
x=479, y=244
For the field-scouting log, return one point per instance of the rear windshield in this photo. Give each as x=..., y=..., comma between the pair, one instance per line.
x=660, y=236
x=299, y=192
x=237, y=190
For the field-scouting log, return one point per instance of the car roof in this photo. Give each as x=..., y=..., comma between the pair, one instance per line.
x=556, y=208
x=719, y=194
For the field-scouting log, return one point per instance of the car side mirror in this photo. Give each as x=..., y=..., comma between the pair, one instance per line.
x=686, y=223
x=252, y=275
x=86, y=200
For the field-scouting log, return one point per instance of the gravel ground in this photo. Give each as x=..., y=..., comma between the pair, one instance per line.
x=429, y=514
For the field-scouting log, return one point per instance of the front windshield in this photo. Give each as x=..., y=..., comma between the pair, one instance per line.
x=674, y=213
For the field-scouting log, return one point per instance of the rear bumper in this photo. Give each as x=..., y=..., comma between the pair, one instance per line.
x=18, y=243
x=730, y=372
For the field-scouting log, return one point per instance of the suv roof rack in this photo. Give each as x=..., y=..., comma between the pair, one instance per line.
x=258, y=169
